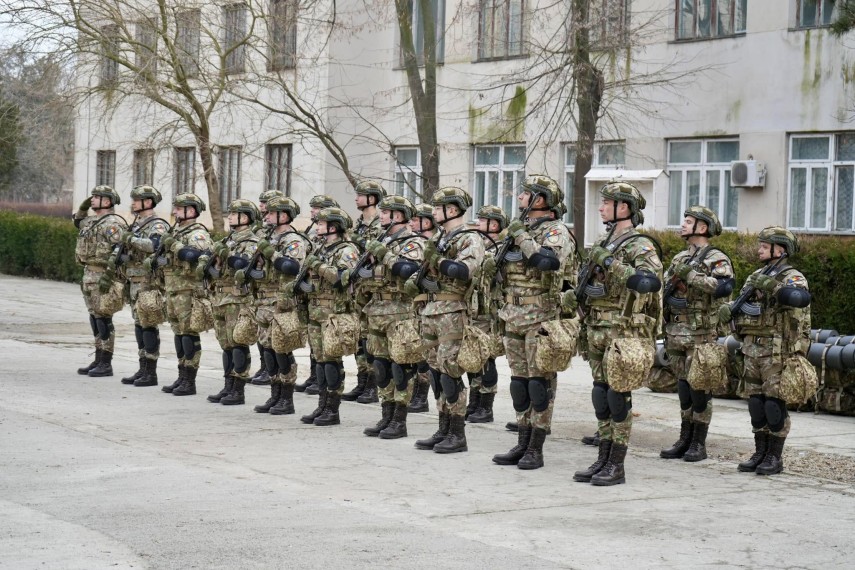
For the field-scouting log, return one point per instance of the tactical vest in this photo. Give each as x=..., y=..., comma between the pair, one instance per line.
x=134, y=263
x=175, y=268
x=378, y=278
x=93, y=247
x=273, y=281
x=701, y=309
x=526, y=280
x=773, y=319
x=449, y=247
x=321, y=288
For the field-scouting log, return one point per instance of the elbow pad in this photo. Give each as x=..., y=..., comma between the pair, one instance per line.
x=724, y=288
x=544, y=260
x=404, y=268
x=644, y=282
x=189, y=254
x=287, y=265
x=237, y=262
x=337, y=283
x=795, y=297
x=454, y=269
x=155, y=241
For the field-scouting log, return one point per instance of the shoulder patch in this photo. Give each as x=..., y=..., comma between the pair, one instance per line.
x=796, y=280
x=408, y=248
x=350, y=256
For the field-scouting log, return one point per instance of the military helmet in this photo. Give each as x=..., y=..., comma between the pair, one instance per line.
x=107, y=192
x=241, y=206
x=189, y=199
x=626, y=192
x=780, y=236
x=398, y=204
x=546, y=187
x=424, y=210
x=267, y=195
x=452, y=195
x=336, y=216
x=323, y=201
x=371, y=188
x=494, y=213
x=284, y=204
x=704, y=214
x=146, y=192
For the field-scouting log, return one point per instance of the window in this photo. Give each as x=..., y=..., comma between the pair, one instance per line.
x=234, y=40
x=145, y=48
x=187, y=42
x=229, y=173
x=499, y=171
x=814, y=13
x=283, y=34
x=418, y=29
x=105, y=168
x=500, y=29
x=609, y=155
x=408, y=173
x=699, y=19
x=143, y=166
x=109, y=55
x=609, y=23
x=277, y=173
x=185, y=170
x=700, y=174
x=569, y=179
x=822, y=171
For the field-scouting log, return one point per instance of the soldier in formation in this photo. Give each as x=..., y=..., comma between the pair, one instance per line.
x=421, y=224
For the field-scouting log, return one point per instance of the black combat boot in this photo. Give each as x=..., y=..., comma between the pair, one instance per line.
x=419, y=401
x=474, y=402
x=698, y=448
x=236, y=397
x=227, y=387
x=103, y=368
x=593, y=440
x=314, y=388
x=612, y=472
x=182, y=370
x=439, y=435
x=602, y=458
x=149, y=375
x=330, y=417
x=85, y=370
x=513, y=456
x=533, y=458
x=397, y=428
x=512, y=426
x=312, y=379
x=773, y=463
x=484, y=413
x=387, y=410
x=188, y=384
x=455, y=441
x=322, y=403
x=136, y=375
x=261, y=378
x=680, y=446
x=275, y=394
x=361, y=379
x=285, y=405
x=369, y=395
x=761, y=445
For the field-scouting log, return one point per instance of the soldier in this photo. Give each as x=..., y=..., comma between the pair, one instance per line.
x=396, y=257
x=232, y=300
x=773, y=325
x=140, y=242
x=96, y=239
x=179, y=255
x=452, y=261
x=282, y=256
x=422, y=224
x=626, y=306
x=699, y=279
x=532, y=281
x=328, y=296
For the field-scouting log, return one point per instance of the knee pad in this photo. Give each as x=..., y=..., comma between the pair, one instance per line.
x=450, y=387
x=283, y=362
x=422, y=367
x=435, y=384
x=684, y=391
x=138, y=333
x=620, y=403
x=362, y=347
x=599, y=397
x=491, y=375
x=321, y=375
x=334, y=375
x=93, y=324
x=473, y=377
x=700, y=399
x=776, y=414
x=105, y=327
x=179, y=346
x=270, y=361
x=519, y=393
x=191, y=344
x=539, y=392
x=151, y=339
x=382, y=371
x=228, y=363
x=757, y=410
x=402, y=375
x=241, y=358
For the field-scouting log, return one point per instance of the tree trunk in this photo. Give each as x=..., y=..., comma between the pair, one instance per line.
x=212, y=183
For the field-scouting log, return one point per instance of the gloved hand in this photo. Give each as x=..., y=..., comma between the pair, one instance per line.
x=127, y=237
x=148, y=263
x=599, y=255
x=201, y=263
x=516, y=228
x=167, y=242
x=431, y=255
x=105, y=282
x=569, y=302
x=240, y=276
x=266, y=249
x=289, y=289
x=488, y=268
x=345, y=278
x=85, y=204
x=410, y=288
x=762, y=282
x=220, y=249
x=377, y=249
x=725, y=315
x=682, y=271
x=313, y=262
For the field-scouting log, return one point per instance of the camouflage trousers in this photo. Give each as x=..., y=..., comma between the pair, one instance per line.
x=90, y=290
x=599, y=339
x=316, y=343
x=179, y=306
x=225, y=320
x=264, y=309
x=378, y=347
x=680, y=348
x=442, y=335
x=476, y=383
x=135, y=287
x=520, y=345
x=762, y=377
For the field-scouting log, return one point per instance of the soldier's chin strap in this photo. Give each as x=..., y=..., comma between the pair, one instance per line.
x=195, y=212
x=422, y=228
x=615, y=219
x=368, y=202
x=460, y=213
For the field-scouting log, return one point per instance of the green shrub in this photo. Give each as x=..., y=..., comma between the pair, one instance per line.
x=38, y=246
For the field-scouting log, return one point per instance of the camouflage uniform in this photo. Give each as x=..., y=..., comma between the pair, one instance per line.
x=362, y=234
x=95, y=243
x=419, y=401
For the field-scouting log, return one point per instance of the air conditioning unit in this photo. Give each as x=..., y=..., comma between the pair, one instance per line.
x=747, y=174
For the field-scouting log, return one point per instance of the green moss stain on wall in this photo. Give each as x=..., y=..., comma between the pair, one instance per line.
x=486, y=126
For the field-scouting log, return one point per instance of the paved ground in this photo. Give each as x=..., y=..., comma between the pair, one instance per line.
x=94, y=474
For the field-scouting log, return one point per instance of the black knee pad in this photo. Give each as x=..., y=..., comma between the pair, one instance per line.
x=757, y=410
x=519, y=393
x=362, y=347
x=334, y=374
x=684, y=391
x=620, y=404
x=321, y=375
x=402, y=373
x=283, y=362
x=599, y=397
x=491, y=375
x=472, y=376
x=191, y=344
x=138, y=333
x=435, y=384
x=270, y=361
x=93, y=324
x=422, y=367
x=700, y=399
x=105, y=327
x=241, y=358
x=382, y=371
x=179, y=346
x=450, y=387
x=776, y=414
x=151, y=339
x=228, y=363
x=539, y=392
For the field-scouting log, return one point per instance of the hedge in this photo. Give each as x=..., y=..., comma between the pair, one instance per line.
x=38, y=246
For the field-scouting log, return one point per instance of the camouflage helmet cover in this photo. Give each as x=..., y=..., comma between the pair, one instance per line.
x=452, y=195
x=371, y=188
x=283, y=204
x=323, y=201
x=423, y=210
x=626, y=192
x=241, y=206
x=704, y=214
x=494, y=213
x=267, y=195
x=398, y=204
x=107, y=192
x=145, y=191
x=188, y=199
x=336, y=216
x=780, y=236
x=546, y=187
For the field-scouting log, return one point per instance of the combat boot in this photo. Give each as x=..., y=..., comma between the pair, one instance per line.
x=361, y=379
x=149, y=375
x=761, y=444
x=285, y=405
x=387, y=410
x=697, y=449
x=322, y=403
x=330, y=417
x=513, y=456
x=103, y=368
x=773, y=463
x=85, y=370
x=182, y=370
x=275, y=394
x=682, y=444
x=314, y=388
x=136, y=375
x=237, y=396
x=261, y=378
x=612, y=472
x=512, y=426
x=533, y=458
x=369, y=395
x=484, y=413
x=419, y=401
x=474, y=403
x=439, y=435
x=397, y=428
x=227, y=387
x=593, y=440
x=188, y=384
x=455, y=441
x=602, y=458
x=312, y=379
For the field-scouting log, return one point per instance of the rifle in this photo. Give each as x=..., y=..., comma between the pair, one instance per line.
x=749, y=290
x=158, y=253
x=120, y=250
x=502, y=253
x=424, y=268
x=208, y=270
x=251, y=273
x=672, y=284
x=587, y=273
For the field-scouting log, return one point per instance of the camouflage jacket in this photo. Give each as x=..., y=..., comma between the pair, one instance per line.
x=488, y=297
x=327, y=295
x=691, y=308
x=147, y=233
x=388, y=298
x=291, y=244
x=447, y=295
x=96, y=239
x=363, y=232
x=181, y=275
x=242, y=246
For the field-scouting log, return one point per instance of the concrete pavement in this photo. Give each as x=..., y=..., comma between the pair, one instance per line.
x=95, y=474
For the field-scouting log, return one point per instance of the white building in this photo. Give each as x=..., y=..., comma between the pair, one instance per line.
x=752, y=85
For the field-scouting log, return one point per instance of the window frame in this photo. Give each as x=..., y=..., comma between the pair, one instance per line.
x=145, y=47
x=506, y=198
x=415, y=23
x=109, y=53
x=234, y=37
x=277, y=169
x=143, y=166
x=105, y=168
x=282, y=35
x=493, y=53
x=601, y=37
x=569, y=171
x=408, y=177
x=231, y=157
x=188, y=40
x=734, y=6
x=819, y=14
x=184, y=172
